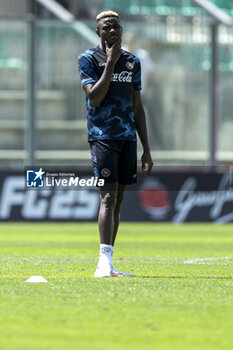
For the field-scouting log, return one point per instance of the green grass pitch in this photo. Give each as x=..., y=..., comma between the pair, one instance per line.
x=170, y=305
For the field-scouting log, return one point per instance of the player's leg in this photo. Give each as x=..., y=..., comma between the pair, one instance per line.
x=119, y=199
x=127, y=169
x=108, y=197
x=110, y=202
x=106, y=219
x=105, y=160
x=105, y=156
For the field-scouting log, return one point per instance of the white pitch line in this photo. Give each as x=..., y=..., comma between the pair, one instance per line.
x=202, y=260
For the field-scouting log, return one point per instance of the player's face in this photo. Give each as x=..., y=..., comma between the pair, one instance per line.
x=109, y=29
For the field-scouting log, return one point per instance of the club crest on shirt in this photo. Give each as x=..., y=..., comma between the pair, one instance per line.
x=105, y=172
x=129, y=65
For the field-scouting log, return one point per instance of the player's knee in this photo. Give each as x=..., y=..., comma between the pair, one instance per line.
x=109, y=200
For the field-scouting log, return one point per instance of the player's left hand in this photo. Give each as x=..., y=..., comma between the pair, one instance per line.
x=147, y=163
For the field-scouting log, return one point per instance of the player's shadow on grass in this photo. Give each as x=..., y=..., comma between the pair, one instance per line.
x=189, y=277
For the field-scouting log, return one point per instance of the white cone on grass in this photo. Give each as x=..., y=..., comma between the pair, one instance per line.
x=37, y=279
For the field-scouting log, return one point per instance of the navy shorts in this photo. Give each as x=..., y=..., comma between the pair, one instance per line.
x=115, y=160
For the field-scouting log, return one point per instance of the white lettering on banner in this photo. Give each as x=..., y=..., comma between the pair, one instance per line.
x=89, y=205
x=67, y=204
x=123, y=77
x=223, y=195
x=33, y=207
x=11, y=196
x=187, y=199
x=63, y=205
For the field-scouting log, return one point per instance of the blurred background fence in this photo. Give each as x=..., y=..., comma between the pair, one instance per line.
x=174, y=39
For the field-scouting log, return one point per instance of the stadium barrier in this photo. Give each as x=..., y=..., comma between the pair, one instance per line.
x=161, y=197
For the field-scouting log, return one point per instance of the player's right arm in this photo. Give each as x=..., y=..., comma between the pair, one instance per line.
x=96, y=92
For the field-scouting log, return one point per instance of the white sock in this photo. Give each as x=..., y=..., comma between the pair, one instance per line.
x=105, y=257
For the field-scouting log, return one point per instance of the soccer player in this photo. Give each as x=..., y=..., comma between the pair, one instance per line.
x=111, y=79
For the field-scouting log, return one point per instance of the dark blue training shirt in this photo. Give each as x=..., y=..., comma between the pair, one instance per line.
x=114, y=119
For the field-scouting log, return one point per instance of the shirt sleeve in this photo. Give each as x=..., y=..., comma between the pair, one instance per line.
x=87, y=70
x=137, y=85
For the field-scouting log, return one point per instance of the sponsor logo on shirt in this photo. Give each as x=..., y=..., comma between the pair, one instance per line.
x=123, y=77
x=102, y=64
